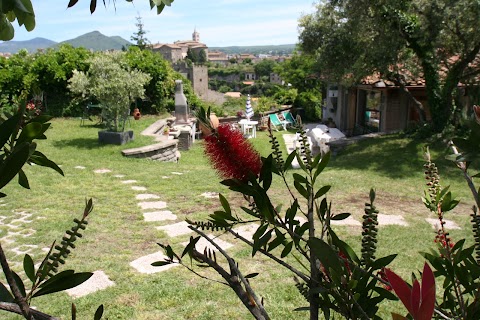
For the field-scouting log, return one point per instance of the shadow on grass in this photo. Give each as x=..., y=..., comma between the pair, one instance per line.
x=80, y=143
x=392, y=156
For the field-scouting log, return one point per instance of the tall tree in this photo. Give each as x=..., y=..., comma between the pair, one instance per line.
x=264, y=67
x=202, y=56
x=398, y=39
x=139, y=36
x=192, y=55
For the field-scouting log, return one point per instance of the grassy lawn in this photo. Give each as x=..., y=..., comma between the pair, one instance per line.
x=117, y=233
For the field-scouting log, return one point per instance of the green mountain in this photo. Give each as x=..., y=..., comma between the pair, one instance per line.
x=282, y=49
x=30, y=45
x=98, y=42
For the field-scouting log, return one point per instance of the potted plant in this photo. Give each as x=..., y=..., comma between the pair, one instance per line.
x=110, y=81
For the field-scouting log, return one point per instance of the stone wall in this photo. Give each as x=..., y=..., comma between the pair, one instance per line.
x=163, y=151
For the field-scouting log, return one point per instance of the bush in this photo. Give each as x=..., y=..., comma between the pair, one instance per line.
x=311, y=102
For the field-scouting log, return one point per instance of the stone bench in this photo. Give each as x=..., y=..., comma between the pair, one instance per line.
x=162, y=151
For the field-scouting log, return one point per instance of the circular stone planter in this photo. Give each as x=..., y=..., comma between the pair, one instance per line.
x=110, y=137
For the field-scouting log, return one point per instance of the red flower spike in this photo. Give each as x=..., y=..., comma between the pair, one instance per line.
x=231, y=154
x=419, y=301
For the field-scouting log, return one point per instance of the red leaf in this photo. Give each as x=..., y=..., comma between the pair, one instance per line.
x=401, y=288
x=428, y=294
x=415, y=299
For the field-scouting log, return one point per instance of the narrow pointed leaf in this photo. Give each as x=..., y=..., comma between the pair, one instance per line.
x=5, y=295
x=29, y=267
x=401, y=289
x=23, y=180
x=99, y=313
x=63, y=282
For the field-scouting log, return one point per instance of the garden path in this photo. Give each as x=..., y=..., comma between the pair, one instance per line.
x=17, y=224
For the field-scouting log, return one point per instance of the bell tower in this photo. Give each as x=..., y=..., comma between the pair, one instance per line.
x=195, y=35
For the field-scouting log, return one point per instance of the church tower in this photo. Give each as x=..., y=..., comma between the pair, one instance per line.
x=195, y=35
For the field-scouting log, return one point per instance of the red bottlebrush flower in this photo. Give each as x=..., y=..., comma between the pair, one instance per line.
x=231, y=154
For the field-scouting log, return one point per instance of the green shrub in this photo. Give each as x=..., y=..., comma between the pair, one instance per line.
x=311, y=102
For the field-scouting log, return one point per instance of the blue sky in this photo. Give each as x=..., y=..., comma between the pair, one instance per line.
x=219, y=22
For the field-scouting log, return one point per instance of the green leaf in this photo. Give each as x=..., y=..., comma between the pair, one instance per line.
x=292, y=211
x=22, y=179
x=321, y=166
x=372, y=195
x=40, y=159
x=344, y=247
x=5, y=295
x=191, y=244
x=289, y=160
x=382, y=262
x=6, y=29
x=340, y=216
x=287, y=249
x=7, y=128
x=62, y=281
x=327, y=256
x=29, y=267
x=266, y=172
x=301, y=189
x=71, y=3
x=30, y=132
x=322, y=191
x=19, y=283
x=93, y=6
x=160, y=263
x=225, y=204
x=251, y=275
x=300, y=178
x=99, y=313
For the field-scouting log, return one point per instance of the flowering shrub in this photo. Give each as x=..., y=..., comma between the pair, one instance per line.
x=338, y=282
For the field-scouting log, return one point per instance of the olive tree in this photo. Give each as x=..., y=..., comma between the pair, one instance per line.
x=111, y=81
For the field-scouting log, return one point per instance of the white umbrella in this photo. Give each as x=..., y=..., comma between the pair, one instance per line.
x=248, y=109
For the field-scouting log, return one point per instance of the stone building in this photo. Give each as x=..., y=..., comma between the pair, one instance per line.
x=198, y=76
x=170, y=52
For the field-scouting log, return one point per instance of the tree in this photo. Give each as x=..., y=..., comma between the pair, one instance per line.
x=23, y=12
x=113, y=84
x=202, y=57
x=399, y=40
x=139, y=36
x=264, y=67
x=192, y=55
x=301, y=71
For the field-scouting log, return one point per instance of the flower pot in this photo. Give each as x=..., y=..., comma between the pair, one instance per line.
x=214, y=122
x=136, y=114
x=119, y=138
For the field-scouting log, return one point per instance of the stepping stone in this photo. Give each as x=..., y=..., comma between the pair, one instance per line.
x=210, y=195
x=449, y=224
x=146, y=196
x=177, y=173
x=129, y=181
x=203, y=243
x=386, y=219
x=247, y=230
x=102, y=171
x=346, y=222
x=23, y=249
x=98, y=281
x=119, y=176
x=138, y=188
x=159, y=216
x=153, y=205
x=165, y=177
x=80, y=167
x=144, y=264
x=176, y=229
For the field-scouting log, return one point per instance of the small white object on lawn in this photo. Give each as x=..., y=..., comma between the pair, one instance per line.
x=102, y=171
x=146, y=196
x=449, y=224
x=144, y=264
x=98, y=281
x=153, y=205
x=176, y=229
x=159, y=216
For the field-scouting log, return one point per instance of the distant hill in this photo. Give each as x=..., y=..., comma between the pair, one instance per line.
x=31, y=45
x=282, y=49
x=98, y=42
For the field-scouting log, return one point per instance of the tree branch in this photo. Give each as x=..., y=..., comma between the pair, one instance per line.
x=37, y=315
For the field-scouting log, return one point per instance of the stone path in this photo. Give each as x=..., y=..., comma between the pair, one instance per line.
x=155, y=211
